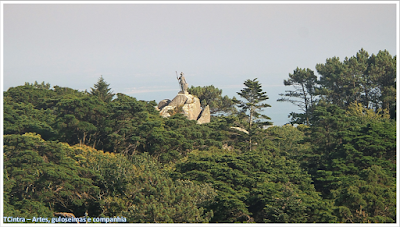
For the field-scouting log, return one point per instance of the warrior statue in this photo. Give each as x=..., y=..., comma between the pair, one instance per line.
x=182, y=83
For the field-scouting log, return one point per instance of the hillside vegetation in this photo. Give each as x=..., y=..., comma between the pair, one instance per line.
x=110, y=155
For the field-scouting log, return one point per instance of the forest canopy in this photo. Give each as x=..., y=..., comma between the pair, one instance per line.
x=100, y=154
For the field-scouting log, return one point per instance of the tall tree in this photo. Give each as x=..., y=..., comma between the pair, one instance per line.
x=341, y=81
x=102, y=91
x=332, y=81
x=370, y=80
x=304, y=96
x=360, y=83
x=383, y=67
x=252, y=106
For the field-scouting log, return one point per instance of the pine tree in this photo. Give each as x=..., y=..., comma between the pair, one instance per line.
x=102, y=91
x=212, y=96
x=304, y=96
x=252, y=106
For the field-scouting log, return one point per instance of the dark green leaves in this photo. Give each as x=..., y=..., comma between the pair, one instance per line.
x=102, y=91
x=45, y=174
x=253, y=186
x=252, y=106
x=304, y=96
x=212, y=96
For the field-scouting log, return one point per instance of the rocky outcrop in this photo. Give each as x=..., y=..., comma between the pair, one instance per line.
x=192, y=108
x=167, y=111
x=179, y=100
x=163, y=103
x=186, y=104
x=204, y=116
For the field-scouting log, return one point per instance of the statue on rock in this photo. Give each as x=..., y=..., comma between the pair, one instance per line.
x=184, y=103
x=182, y=83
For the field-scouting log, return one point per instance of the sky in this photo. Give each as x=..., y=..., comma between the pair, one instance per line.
x=137, y=48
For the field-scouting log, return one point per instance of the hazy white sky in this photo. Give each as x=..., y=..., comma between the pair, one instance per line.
x=138, y=47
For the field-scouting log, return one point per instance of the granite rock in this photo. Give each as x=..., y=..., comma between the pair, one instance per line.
x=163, y=103
x=204, y=116
x=189, y=106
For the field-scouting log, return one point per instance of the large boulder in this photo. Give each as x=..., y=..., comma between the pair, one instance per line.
x=188, y=104
x=166, y=111
x=179, y=100
x=163, y=103
x=191, y=108
x=204, y=116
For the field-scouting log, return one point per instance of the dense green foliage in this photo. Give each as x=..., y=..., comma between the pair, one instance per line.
x=102, y=91
x=368, y=80
x=250, y=108
x=256, y=186
x=353, y=162
x=111, y=155
x=304, y=96
x=212, y=96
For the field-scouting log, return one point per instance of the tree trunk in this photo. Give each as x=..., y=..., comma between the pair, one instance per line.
x=250, y=130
